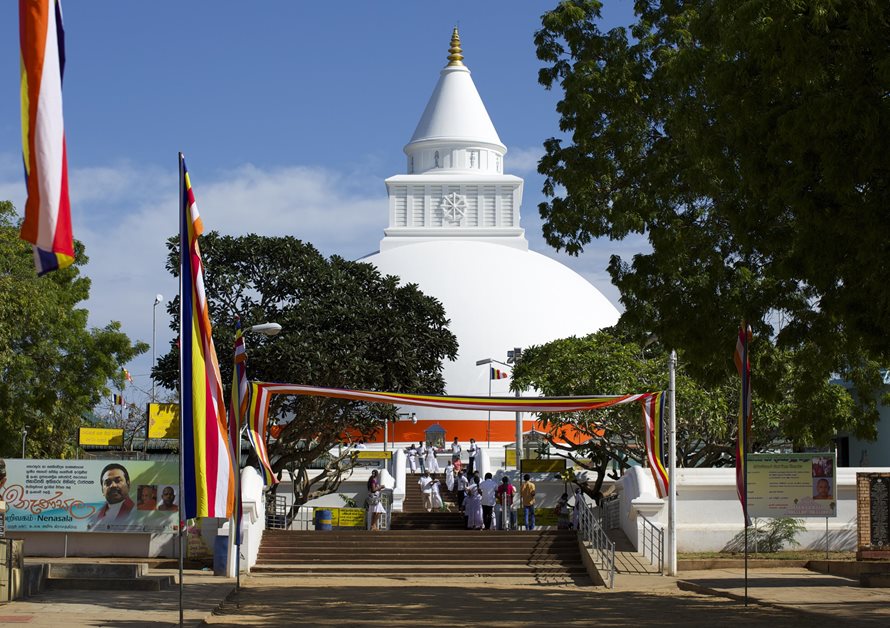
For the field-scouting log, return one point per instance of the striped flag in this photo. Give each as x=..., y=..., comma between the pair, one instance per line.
x=653, y=419
x=127, y=375
x=257, y=426
x=117, y=400
x=498, y=374
x=743, y=426
x=237, y=412
x=208, y=480
x=47, y=224
x=238, y=403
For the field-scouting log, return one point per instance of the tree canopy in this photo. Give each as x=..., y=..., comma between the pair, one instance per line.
x=746, y=141
x=53, y=369
x=343, y=325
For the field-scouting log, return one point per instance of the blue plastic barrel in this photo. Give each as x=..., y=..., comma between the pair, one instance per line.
x=324, y=520
x=220, y=555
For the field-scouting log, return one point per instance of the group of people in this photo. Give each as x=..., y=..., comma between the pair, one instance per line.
x=422, y=457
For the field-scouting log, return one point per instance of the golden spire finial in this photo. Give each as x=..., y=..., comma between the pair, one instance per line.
x=455, y=58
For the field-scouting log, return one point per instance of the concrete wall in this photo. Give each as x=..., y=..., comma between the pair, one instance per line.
x=709, y=514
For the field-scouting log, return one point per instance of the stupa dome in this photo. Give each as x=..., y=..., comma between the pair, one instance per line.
x=454, y=231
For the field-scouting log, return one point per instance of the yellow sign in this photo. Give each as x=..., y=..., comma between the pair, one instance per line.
x=163, y=420
x=101, y=436
x=351, y=518
x=510, y=457
x=542, y=465
x=374, y=455
x=343, y=517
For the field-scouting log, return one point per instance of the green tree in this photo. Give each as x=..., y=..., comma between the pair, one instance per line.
x=53, y=369
x=745, y=140
x=343, y=325
x=611, y=362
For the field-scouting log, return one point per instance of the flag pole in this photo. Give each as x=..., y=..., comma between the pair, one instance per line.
x=672, y=465
x=182, y=340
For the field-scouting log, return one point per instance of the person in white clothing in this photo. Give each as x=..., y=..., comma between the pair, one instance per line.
x=432, y=466
x=426, y=491
x=471, y=452
x=435, y=495
x=455, y=450
x=576, y=511
x=449, y=476
x=421, y=455
x=473, y=506
x=411, y=455
x=487, y=489
x=460, y=487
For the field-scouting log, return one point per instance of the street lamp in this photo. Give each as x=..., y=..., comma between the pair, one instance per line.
x=512, y=358
x=24, y=436
x=266, y=329
x=482, y=363
x=154, y=310
x=399, y=417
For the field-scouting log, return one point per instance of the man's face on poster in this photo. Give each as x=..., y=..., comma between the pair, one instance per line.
x=115, y=487
x=167, y=496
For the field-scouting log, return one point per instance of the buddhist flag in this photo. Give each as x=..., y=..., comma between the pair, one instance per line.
x=117, y=400
x=743, y=427
x=127, y=375
x=238, y=403
x=653, y=423
x=258, y=427
x=47, y=224
x=208, y=482
x=498, y=374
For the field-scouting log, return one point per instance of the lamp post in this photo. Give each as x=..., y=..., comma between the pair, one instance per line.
x=266, y=329
x=154, y=310
x=483, y=363
x=24, y=436
x=399, y=417
x=512, y=358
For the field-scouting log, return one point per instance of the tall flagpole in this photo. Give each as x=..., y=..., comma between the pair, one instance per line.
x=672, y=468
x=183, y=250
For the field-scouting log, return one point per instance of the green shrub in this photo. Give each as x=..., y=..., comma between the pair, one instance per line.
x=768, y=538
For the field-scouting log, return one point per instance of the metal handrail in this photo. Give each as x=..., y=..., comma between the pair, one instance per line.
x=594, y=536
x=652, y=542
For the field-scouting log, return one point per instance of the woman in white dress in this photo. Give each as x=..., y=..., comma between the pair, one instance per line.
x=473, y=507
x=436, y=497
x=411, y=454
x=449, y=476
x=431, y=464
x=375, y=504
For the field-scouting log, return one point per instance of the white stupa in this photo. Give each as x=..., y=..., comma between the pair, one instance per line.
x=454, y=230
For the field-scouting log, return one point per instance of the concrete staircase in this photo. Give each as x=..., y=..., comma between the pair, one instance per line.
x=627, y=559
x=416, y=552
x=105, y=576
x=415, y=517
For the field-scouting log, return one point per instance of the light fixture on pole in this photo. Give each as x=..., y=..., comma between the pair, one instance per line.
x=266, y=329
x=482, y=363
x=399, y=417
x=512, y=358
x=24, y=436
x=154, y=309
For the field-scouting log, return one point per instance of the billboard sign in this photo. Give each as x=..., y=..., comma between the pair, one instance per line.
x=792, y=485
x=101, y=437
x=91, y=496
x=163, y=420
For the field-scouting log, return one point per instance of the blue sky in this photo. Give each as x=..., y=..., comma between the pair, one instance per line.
x=290, y=114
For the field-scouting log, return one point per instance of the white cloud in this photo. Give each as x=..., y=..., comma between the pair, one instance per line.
x=523, y=160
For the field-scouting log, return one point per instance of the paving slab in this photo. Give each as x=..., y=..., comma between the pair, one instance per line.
x=809, y=593
x=202, y=593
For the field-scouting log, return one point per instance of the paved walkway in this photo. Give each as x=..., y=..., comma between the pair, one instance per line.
x=777, y=597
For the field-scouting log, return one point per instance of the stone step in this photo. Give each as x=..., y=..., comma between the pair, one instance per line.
x=142, y=583
x=95, y=570
x=418, y=570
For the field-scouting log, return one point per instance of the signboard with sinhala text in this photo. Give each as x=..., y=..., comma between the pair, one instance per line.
x=792, y=485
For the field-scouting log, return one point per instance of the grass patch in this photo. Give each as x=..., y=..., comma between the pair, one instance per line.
x=781, y=555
